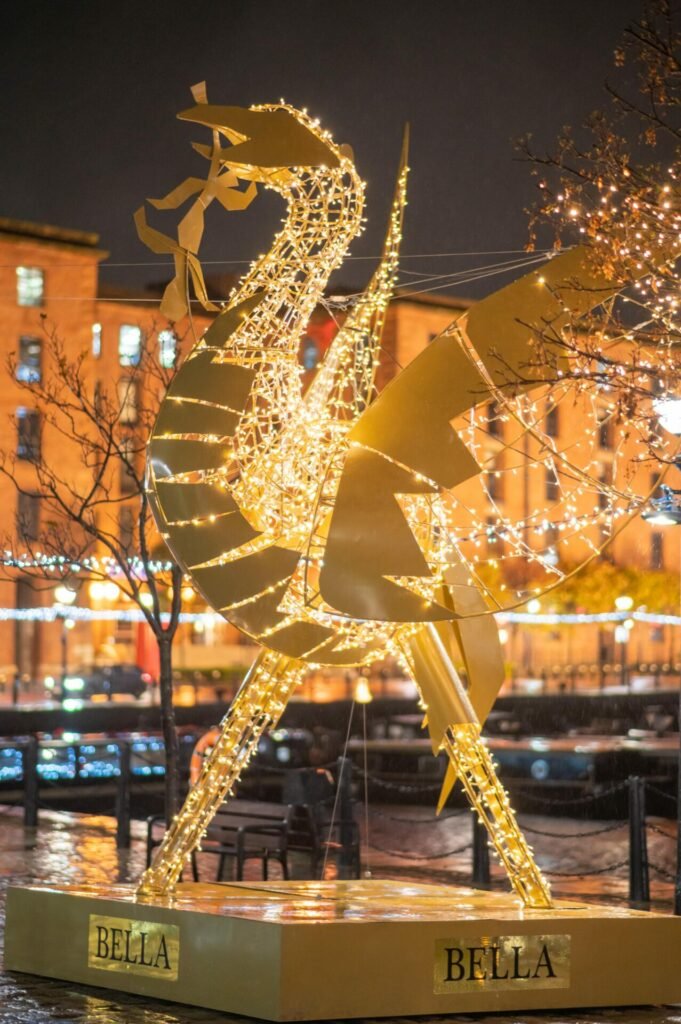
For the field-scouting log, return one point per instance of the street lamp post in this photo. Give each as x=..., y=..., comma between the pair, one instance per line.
x=665, y=510
x=621, y=638
x=63, y=599
x=623, y=603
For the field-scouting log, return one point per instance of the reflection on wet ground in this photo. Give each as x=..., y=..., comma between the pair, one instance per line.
x=82, y=851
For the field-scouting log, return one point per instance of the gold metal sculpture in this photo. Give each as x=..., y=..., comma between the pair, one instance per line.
x=335, y=526
x=318, y=522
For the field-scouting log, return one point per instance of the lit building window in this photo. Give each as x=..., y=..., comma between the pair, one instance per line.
x=29, y=364
x=28, y=516
x=656, y=551
x=126, y=527
x=551, y=555
x=311, y=353
x=494, y=480
x=127, y=479
x=551, y=485
x=605, y=432
x=96, y=341
x=495, y=427
x=495, y=545
x=127, y=400
x=552, y=421
x=30, y=286
x=28, y=434
x=605, y=480
x=129, y=345
x=167, y=349
x=198, y=634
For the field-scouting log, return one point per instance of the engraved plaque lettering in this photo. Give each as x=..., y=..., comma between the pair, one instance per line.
x=149, y=948
x=501, y=962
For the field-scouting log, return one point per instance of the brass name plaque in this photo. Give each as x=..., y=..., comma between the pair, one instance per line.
x=136, y=947
x=492, y=963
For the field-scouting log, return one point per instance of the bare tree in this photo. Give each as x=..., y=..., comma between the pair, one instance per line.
x=614, y=185
x=85, y=453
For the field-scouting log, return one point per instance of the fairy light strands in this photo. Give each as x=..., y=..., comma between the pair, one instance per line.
x=248, y=474
x=98, y=565
x=256, y=709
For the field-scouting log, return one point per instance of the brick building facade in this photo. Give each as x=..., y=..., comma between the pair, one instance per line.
x=49, y=282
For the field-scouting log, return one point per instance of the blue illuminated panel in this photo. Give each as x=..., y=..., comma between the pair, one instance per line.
x=11, y=764
x=55, y=763
x=98, y=760
x=148, y=757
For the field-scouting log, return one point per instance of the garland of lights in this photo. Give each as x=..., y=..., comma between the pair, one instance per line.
x=102, y=565
x=57, y=612
x=252, y=485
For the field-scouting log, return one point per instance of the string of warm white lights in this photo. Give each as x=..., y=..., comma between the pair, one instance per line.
x=588, y=618
x=101, y=565
x=248, y=471
x=56, y=612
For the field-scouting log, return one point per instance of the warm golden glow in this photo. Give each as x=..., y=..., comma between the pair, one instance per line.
x=330, y=525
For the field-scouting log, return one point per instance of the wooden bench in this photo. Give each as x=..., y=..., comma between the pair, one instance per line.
x=310, y=833
x=312, y=791
x=242, y=829
x=309, y=797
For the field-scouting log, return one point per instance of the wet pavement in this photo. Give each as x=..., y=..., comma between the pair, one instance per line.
x=404, y=843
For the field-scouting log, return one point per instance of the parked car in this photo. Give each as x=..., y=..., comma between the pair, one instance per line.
x=107, y=680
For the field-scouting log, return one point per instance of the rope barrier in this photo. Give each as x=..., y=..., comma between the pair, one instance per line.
x=576, y=835
x=572, y=801
x=283, y=770
x=660, y=831
x=662, y=872
x=585, y=874
x=660, y=792
x=404, y=855
x=435, y=820
x=401, y=787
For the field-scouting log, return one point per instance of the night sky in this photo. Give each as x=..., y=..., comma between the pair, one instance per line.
x=90, y=91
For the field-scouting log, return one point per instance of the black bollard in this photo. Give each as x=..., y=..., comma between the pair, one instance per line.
x=123, y=797
x=639, y=882
x=346, y=821
x=30, y=770
x=481, y=872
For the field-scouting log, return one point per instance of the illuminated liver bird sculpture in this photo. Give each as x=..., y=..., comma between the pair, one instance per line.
x=317, y=522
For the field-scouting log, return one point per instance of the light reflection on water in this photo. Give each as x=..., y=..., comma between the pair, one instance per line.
x=83, y=851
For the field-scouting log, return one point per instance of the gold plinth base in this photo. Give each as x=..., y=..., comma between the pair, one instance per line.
x=319, y=950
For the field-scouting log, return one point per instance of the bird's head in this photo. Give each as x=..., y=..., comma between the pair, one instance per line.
x=270, y=143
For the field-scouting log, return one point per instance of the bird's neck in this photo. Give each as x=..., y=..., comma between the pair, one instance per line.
x=324, y=214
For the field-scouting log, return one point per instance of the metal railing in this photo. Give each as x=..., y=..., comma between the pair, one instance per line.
x=36, y=764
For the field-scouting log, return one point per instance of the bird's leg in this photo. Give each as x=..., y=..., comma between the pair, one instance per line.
x=454, y=728
x=474, y=767
x=257, y=706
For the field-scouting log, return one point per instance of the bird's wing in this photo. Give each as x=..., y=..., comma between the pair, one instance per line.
x=404, y=443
